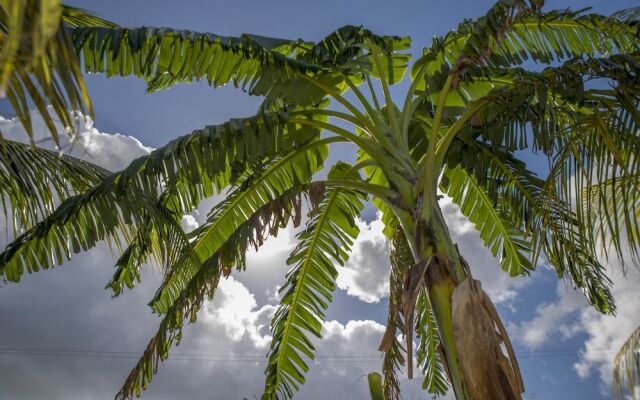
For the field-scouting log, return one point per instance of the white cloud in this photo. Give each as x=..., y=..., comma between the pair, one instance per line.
x=189, y=223
x=570, y=314
x=366, y=274
x=552, y=318
x=607, y=333
x=235, y=308
x=110, y=151
x=267, y=267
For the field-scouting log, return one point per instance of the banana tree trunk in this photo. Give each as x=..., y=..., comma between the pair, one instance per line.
x=471, y=333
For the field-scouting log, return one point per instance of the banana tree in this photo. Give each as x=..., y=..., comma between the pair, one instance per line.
x=470, y=117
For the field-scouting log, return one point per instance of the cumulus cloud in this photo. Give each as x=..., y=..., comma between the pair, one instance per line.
x=570, y=315
x=607, y=333
x=552, y=318
x=235, y=308
x=366, y=274
x=267, y=267
x=110, y=151
x=189, y=223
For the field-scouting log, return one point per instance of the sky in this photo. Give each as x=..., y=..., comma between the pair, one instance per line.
x=63, y=336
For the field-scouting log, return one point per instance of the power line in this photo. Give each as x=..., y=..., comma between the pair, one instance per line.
x=248, y=358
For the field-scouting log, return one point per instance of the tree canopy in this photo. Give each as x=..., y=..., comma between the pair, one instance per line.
x=562, y=84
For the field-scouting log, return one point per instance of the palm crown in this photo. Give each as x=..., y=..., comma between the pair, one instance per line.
x=468, y=114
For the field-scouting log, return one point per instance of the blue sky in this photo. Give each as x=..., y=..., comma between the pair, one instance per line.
x=39, y=303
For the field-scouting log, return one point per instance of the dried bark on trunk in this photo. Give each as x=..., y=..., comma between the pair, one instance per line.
x=479, y=335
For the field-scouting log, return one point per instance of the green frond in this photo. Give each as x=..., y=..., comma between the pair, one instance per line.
x=429, y=357
x=260, y=65
x=533, y=206
x=75, y=226
x=554, y=228
x=161, y=237
x=191, y=168
x=496, y=230
x=546, y=221
x=504, y=178
x=569, y=249
x=77, y=17
x=627, y=366
x=588, y=136
x=164, y=57
x=348, y=49
x=137, y=253
x=512, y=33
x=570, y=176
x=309, y=287
x=606, y=189
x=34, y=180
x=614, y=209
x=629, y=15
x=293, y=170
x=558, y=99
x=393, y=359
